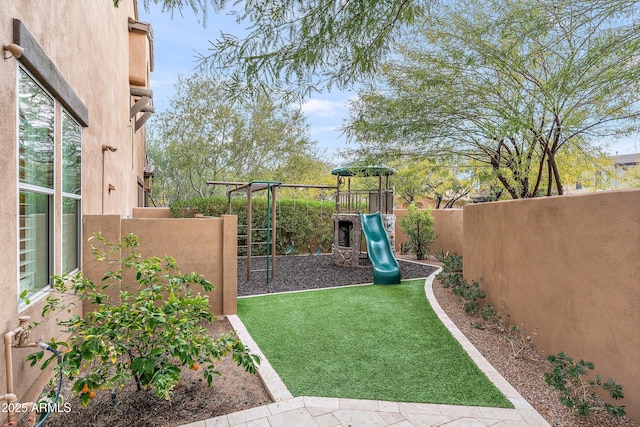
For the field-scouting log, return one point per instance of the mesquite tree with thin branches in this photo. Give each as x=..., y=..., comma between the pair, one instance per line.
x=512, y=85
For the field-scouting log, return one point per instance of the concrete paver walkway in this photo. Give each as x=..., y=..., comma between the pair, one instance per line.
x=289, y=411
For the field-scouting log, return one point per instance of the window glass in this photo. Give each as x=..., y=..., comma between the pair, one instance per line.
x=36, y=162
x=36, y=136
x=71, y=155
x=71, y=188
x=70, y=234
x=34, y=240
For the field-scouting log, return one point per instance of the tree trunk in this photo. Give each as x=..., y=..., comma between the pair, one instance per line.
x=556, y=173
x=549, y=180
x=496, y=167
x=438, y=200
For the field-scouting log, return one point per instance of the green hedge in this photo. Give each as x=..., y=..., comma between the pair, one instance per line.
x=302, y=222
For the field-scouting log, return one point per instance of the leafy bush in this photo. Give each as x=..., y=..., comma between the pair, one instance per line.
x=302, y=222
x=418, y=226
x=469, y=293
x=451, y=274
x=148, y=331
x=577, y=392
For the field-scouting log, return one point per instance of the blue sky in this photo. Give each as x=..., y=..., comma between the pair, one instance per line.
x=177, y=42
x=179, y=39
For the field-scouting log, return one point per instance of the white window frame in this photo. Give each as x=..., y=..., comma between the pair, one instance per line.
x=49, y=192
x=74, y=196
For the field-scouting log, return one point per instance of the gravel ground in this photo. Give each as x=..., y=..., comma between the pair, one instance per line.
x=525, y=372
x=297, y=272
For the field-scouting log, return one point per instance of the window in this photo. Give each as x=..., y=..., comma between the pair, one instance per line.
x=50, y=117
x=35, y=163
x=37, y=188
x=71, y=193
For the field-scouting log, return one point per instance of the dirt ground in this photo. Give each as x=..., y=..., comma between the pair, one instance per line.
x=236, y=390
x=191, y=401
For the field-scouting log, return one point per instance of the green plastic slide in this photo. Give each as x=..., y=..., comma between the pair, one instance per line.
x=386, y=270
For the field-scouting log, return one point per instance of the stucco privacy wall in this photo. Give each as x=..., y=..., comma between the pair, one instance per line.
x=87, y=43
x=446, y=222
x=569, y=268
x=204, y=245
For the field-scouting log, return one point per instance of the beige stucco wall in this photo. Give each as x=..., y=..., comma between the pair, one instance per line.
x=446, y=222
x=138, y=59
x=152, y=213
x=204, y=245
x=569, y=268
x=88, y=43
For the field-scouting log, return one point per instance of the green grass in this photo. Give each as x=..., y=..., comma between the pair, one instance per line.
x=366, y=342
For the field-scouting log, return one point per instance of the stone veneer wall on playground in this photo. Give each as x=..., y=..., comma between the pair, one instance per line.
x=204, y=245
x=567, y=268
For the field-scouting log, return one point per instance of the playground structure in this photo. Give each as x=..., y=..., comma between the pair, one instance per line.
x=348, y=223
x=346, y=249
x=270, y=227
x=386, y=270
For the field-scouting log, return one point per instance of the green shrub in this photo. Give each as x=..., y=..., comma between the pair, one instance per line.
x=470, y=293
x=148, y=330
x=302, y=222
x=577, y=392
x=451, y=274
x=418, y=226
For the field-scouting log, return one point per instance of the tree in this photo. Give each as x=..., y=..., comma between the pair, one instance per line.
x=149, y=330
x=512, y=85
x=204, y=136
x=588, y=171
x=631, y=176
x=297, y=47
x=436, y=179
x=418, y=226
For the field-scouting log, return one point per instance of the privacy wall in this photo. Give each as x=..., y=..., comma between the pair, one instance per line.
x=205, y=245
x=569, y=268
x=446, y=222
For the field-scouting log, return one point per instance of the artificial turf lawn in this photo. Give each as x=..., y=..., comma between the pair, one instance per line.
x=366, y=342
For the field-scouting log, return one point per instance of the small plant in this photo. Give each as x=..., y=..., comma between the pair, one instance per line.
x=418, y=226
x=441, y=255
x=520, y=340
x=488, y=312
x=479, y=325
x=405, y=248
x=148, y=331
x=452, y=263
x=451, y=274
x=577, y=392
x=470, y=293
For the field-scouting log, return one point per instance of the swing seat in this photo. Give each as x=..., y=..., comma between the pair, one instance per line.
x=317, y=252
x=290, y=249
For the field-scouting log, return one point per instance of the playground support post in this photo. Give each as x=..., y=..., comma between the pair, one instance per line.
x=271, y=230
x=270, y=251
x=271, y=212
x=249, y=210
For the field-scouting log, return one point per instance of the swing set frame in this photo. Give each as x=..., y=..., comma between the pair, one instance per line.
x=271, y=225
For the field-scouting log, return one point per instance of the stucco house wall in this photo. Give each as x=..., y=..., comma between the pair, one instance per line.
x=79, y=51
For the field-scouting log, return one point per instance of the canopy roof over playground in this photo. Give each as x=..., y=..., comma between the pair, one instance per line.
x=362, y=168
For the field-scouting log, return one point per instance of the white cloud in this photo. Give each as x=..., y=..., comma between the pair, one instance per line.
x=322, y=129
x=325, y=107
